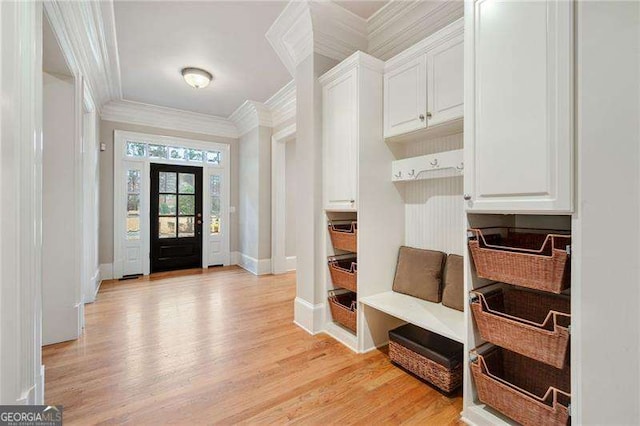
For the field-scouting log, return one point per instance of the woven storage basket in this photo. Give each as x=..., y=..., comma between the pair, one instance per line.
x=344, y=309
x=528, y=391
x=530, y=323
x=344, y=236
x=344, y=272
x=528, y=259
x=440, y=376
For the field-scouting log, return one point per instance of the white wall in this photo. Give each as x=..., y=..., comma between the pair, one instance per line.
x=254, y=200
x=60, y=297
x=21, y=380
x=91, y=206
x=432, y=206
x=606, y=290
x=290, y=198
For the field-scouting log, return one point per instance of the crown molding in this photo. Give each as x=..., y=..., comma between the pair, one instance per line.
x=250, y=115
x=168, y=118
x=283, y=104
x=86, y=34
x=358, y=59
x=318, y=26
x=401, y=24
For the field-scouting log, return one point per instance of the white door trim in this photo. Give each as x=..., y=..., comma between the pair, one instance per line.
x=120, y=139
x=278, y=197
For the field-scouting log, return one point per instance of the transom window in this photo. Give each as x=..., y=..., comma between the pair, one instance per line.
x=163, y=152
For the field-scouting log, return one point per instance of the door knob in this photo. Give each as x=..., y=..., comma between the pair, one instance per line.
x=467, y=197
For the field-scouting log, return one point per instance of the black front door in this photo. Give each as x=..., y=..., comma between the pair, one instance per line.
x=176, y=217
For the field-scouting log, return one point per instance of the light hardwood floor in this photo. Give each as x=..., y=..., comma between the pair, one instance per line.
x=219, y=346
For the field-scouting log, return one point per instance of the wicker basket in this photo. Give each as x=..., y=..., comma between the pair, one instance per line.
x=530, y=323
x=438, y=375
x=344, y=309
x=344, y=236
x=344, y=271
x=528, y=391
x=528, y=259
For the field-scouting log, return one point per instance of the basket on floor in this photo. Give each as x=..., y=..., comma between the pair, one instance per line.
x=344, y=235
x=344, y=271
x=528, y=391
x=434, y=358
x=530, y=323
x=344, y=309
x=521, y=257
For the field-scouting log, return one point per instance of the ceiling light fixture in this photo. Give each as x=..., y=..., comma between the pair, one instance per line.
x=196, y=77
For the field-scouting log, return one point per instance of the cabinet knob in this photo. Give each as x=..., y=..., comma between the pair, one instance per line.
x=429, y=115
x=421, y=117
x=467, y=197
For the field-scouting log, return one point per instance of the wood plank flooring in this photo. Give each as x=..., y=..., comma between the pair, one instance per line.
x=219, y=347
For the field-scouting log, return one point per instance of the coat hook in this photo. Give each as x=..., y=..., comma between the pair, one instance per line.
x=460, y=167
x=412, y=173
x=434, y=163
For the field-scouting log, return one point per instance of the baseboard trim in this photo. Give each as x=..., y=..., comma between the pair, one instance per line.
x=253, y=265
x=291, y=263
x=308, y=316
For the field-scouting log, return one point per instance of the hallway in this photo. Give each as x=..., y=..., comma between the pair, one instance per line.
x=220, y=346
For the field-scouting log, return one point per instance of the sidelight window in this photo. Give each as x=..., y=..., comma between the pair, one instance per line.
x=133, y=204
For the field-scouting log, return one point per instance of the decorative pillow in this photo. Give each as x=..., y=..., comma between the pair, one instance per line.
x=453, y=294
x=419, y=273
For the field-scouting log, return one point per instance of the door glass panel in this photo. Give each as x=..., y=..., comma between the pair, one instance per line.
x=186, y=227
x=214, y=185
x=194, y=155
x=187, y=183
x=133, y=205
x=168, y=182
x=158, y=151
x=167, y=205
x=176, y=153
x=135, y=149
x=187, y=205
x=213, y=157
x=214, y=189
x=167, y=228
x=133, y=181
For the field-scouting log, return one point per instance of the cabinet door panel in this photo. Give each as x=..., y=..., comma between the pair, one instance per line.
x=340, y=142
x=519, y=142
x=405, y=98
x=445, y=75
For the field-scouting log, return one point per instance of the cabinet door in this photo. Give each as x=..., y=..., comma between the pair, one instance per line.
x=405, y=98
x=445, y=81
x=340, y=141
x=518, y=118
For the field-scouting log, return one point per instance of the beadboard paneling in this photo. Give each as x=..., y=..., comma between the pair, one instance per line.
x=434, y=216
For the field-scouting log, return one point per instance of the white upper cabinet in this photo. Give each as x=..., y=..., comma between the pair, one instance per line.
x=340, y=156
x=445, y=81
x=518, y=117
x=405, y=98
x=424, y=85
x=351, y=121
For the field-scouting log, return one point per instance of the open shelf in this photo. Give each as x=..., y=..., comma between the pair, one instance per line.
x=342, y=335
x=442, y=164
x=482, y=415
x=428, y=315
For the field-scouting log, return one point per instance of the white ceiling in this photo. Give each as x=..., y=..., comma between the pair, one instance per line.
x=227, y=38
x=156, y=39
x=362, y=8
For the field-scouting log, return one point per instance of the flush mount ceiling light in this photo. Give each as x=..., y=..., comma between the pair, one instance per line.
x=196, y=77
